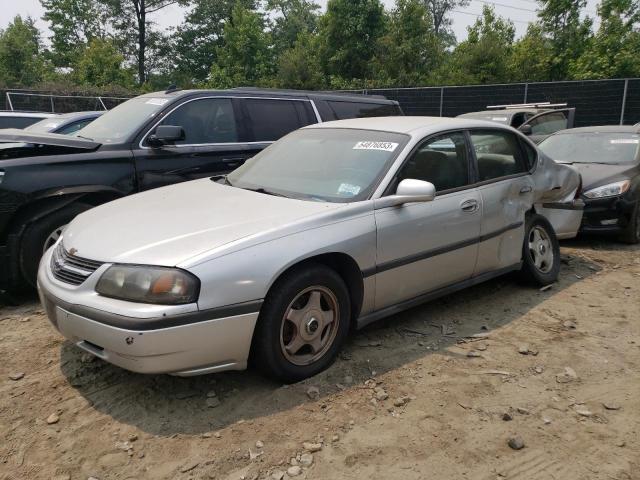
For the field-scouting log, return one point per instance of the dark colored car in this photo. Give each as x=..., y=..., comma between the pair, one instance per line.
x=537, y=121
x=608, y=158
x=22, y=119
x=146, y=142
x=65, y=123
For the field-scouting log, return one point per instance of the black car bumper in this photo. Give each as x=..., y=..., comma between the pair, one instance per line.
x=607, y=215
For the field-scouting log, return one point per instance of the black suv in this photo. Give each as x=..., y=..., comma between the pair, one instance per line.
x=146, y=142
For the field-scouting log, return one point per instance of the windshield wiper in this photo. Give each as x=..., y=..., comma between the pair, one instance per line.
x=266, y=192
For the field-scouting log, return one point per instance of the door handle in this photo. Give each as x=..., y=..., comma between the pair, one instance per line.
x=469, y=206
x=527, y=189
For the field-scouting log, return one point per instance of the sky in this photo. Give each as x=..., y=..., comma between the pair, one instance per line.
x=519, y=11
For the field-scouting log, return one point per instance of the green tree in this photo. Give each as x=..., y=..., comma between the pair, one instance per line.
x=532, y=56
x=569, y=33
x=73, y=24
x=484, y=56
x=293, y=17
x=440, y=11
x=300, y=67
x=21, y=61
x=614, y=50
x=351, y=30
x=101, y=65
x=246, y=56
x=197, y=40
x=410, y=50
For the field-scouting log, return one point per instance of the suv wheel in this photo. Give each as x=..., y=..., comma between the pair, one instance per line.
x=540, y=252
x=303, y=323
x=40, y=235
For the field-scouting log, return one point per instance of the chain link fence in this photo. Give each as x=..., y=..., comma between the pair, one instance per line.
x=32, y=101
x=597, y=102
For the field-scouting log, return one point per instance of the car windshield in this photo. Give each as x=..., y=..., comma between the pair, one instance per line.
x=592, y=147
x=322, y=164
x=118, y=124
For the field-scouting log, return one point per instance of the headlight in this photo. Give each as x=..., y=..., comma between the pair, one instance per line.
x=159, y=285
x=611, y=190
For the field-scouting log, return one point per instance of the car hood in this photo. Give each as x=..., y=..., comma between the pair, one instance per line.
x=169, y=225
x=594, y=174
x=15, y=135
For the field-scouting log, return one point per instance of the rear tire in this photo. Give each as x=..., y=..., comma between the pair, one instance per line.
x=540, y=252
x=303, y=324
x=632, y=233
x=41, y=232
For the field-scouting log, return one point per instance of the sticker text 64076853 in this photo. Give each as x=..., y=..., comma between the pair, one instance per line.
x=384, y=146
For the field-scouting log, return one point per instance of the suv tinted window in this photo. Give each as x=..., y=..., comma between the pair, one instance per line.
x=206, y=120
x=548, y=123
x=17, y=122
x=272, y=119
x=442, y=161
x=498, y=154
x=345, y=110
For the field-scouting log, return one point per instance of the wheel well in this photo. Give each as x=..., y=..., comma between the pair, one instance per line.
x=39, y=208
x=347, y=268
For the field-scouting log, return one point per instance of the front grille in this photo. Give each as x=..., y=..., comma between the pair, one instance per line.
x=71, y=269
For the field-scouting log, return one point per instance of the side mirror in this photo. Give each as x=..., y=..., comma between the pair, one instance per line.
x=526, y=129
x=409, y=191
x=166, y=134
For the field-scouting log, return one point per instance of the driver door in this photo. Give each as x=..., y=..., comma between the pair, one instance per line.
x=422, y=247
x=548, y=123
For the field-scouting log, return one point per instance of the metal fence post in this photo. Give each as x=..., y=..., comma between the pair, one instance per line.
x=624, y=100
x=441, y=99
x=526, y=92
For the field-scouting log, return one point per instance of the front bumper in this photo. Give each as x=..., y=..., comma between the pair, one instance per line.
x=185, y=345
x=607, y=215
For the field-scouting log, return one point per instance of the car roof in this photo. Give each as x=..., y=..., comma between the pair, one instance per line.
x=409, y=125
x=266, y=92
x=79, y=115
x=28, y=114
x=602, y=129
x=508, y=112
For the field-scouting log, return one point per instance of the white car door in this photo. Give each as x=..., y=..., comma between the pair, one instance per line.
x=422, y=247
x=507, y=190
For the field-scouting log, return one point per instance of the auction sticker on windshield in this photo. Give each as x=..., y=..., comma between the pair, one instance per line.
x=626, y=141
x=384, y=146
x=348, y=189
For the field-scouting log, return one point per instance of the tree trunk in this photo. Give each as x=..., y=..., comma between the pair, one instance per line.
x=142, y=41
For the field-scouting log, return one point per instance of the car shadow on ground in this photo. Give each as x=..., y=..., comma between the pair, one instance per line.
x=165, y=405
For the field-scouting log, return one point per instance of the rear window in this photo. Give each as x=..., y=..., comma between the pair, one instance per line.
x=345, y=110
x=17, y=122
x=270, y=120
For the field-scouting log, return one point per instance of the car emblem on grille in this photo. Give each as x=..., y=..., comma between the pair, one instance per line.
x=73, y=251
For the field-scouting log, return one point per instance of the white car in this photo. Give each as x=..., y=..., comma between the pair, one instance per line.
x=336, y=225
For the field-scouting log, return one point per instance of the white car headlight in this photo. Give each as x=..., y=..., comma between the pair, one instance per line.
x=158, y=285
x=610, y=190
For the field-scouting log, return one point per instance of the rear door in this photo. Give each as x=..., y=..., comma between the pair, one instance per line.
x=422, y=247
x=548, y=123
x=213, y=144
x=506, y=187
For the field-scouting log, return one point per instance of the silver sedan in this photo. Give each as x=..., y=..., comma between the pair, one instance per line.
x=334, y=226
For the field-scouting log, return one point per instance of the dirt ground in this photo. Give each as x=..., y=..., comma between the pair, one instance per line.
x=558, y=370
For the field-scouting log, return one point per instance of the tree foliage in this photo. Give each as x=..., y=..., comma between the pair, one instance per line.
x=100, y=64
x=21, y=59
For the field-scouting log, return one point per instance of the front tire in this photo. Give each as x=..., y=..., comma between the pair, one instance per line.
x=41, y=234
x=540, y=252
x=631, y=234
x=303, y=324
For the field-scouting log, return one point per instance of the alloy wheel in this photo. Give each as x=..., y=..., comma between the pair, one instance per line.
x=309, y=325
x=541, y=249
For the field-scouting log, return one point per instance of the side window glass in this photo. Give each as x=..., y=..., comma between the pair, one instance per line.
x=548, y=123
x=346, y=110
x=207, y=120
x=442, y=161
x=273, y=119
x=531, y=155
x=497, y=153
